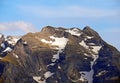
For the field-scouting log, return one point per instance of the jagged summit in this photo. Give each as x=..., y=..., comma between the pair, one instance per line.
x=90, y=32
x=47, y=29
x=61, y=55
x=87, y=28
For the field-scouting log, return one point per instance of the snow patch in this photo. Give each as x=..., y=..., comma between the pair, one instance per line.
x=8, y=49
x=45, y=41
x=88, y=76
x=96, y=48
x=52, y=64
x=89, y=37
x=48, y=74
x=40, y=69
x=37, y=78
x=15, y=55
x=101, y=73
x=3, y=45
x=59, y=67
x=82, y=43
x=74, y=31
x=25, y=42
x=82, y=78
x=91, y=43
x=56, y=56
x=86, y=54
x=60, y=42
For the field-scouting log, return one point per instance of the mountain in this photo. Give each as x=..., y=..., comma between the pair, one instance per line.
x=7, y=44
x=59, y=55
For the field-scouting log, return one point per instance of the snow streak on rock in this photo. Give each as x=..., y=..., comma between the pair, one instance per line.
x=89, y=37
x=88, y=76
x=15, y=55
x=46, y=75
x=45, y=41
x=8, y=49
x=96, y=49
x=60, y=43
x=82, y=43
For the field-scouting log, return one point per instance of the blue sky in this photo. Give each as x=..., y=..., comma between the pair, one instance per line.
x=18, y=17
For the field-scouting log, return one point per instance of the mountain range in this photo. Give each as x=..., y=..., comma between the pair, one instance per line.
x=58, y=55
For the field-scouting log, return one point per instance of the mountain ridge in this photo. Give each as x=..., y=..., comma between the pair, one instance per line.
x=60, y=55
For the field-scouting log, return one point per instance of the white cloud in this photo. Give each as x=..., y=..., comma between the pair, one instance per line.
x=67, y=11
x=17, y=26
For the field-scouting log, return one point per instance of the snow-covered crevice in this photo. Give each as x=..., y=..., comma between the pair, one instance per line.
x=88, y=76
x=60, y=44
x=74, y=31
x=56, y=56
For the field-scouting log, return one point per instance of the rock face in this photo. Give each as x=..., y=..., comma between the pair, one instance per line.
x=59, y=55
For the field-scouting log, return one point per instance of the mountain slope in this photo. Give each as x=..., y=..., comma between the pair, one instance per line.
x=59, y=55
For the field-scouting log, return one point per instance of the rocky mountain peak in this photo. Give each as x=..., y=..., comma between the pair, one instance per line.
x=90, y=32
x=87, y=28
x=60, y=55
x=48, y=30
